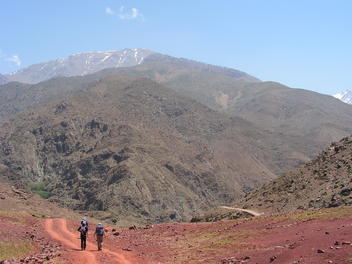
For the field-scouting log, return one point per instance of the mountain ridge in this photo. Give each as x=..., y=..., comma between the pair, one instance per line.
x=304, y=131
x=165, y=126
x=81, y=64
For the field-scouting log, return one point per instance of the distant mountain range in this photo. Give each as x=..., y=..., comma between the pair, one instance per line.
x=90, y=62
x=345, y=96
x=156, y=138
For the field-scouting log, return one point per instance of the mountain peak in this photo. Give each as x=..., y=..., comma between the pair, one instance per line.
x=85, y=63
x=80, y=64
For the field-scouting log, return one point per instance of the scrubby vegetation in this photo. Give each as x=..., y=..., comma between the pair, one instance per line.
x=41, y=189
x=10, y=250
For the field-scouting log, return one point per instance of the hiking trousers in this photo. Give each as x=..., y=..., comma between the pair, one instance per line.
x=100, y=241
x=83, y=242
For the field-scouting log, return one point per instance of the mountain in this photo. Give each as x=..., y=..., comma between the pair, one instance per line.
x=270, y=105
x=345, y=96
x=324, y=182
x=3, y=79
x=79, y=64
x=86, y=63
x=136, y=150
x=308, y=119
x=203, y=67
x=303, y=122
x=166, y=126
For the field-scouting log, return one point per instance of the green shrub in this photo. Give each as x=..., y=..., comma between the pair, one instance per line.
x=39, y=186
x=41, y=189
x=44, y=194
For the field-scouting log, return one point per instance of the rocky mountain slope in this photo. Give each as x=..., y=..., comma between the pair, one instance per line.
x=324, y=182
x=136, y=150
x=345, y=96
x=87, y=63
x=297, y=124
x=314, y=118
x=234, y=135
x=317, y=119
x=269, y=105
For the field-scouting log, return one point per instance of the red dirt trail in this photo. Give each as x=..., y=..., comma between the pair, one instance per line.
x=58, y=230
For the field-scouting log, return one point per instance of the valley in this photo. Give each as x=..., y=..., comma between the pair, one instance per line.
x=175, y=132
x=183, y=162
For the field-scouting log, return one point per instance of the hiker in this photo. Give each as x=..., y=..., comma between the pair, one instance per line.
x=83, y=229
x=99, y=233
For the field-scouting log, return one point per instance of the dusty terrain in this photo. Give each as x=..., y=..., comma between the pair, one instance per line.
x=316, y=236
x=265, y=239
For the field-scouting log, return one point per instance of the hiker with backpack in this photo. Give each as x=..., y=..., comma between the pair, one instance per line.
x=99, y=233
x=83, y=229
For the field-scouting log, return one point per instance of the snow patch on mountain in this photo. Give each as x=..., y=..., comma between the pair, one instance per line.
x=80, y=64
x=345, y=96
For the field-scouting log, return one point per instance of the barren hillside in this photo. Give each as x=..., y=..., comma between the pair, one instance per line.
x=324, y=182
x=136, y=150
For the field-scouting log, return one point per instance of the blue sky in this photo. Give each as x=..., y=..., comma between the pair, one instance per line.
x=301, y=43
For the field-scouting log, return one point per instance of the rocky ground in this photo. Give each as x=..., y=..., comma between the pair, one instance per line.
x=304, y=237
x=44, y=233
x=316, y=236
x=24, y=240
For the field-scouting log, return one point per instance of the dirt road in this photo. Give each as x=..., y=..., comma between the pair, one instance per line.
x=58, y=230
x=254, y=213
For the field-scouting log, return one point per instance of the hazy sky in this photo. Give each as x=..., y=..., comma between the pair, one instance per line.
x=301, y=43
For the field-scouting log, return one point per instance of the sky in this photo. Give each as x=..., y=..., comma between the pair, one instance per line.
x=300, y=43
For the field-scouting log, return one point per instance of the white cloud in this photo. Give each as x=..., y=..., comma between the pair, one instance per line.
x=125, y=13
x=15, y=59
x=133, y=13
x=109, y=11
x=10, y=59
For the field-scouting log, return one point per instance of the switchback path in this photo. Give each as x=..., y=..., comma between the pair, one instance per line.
x=254, y=213
x=57, y=229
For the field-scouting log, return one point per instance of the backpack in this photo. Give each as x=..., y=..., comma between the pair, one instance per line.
x=84, y=221
x=83, y=230
x=100, y=230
